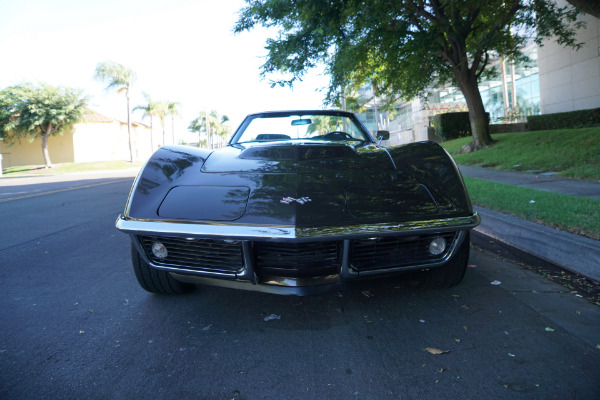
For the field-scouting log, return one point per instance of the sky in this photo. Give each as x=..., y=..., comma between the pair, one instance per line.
x=181, y=50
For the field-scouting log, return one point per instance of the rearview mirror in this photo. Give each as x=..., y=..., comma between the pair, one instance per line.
x=301, y=121
x=383, y=135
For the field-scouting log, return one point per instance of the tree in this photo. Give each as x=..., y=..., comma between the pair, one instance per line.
x=29, y=112
x=116, y=76
x=220, y=125
x=173, y=111
x=161, y=111
x=149, y=110
x=402, y=47
x=210, y=123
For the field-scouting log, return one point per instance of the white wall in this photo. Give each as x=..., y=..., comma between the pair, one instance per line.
x=569, y=79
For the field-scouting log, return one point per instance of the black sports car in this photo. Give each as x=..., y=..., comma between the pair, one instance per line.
x=298, y=202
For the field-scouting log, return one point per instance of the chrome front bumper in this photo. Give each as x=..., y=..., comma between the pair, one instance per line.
x=285, y=232
x=246, y=277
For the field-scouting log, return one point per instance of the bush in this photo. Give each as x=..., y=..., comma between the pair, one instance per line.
x=564, y=120
x=452, y=125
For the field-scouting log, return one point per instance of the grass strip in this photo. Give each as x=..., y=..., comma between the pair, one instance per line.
x=579, y=215
x=573, y=153
x=68, y=168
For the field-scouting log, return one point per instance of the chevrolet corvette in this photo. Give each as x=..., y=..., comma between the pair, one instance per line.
x=298, y=202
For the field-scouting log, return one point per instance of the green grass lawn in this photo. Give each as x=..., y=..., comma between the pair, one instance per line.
x=580, y=215
x=68, y=168
x=573, y=153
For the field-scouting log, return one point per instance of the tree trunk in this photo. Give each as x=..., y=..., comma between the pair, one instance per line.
x=173, y=127
x=513, y=88
x=480, y=127
x=151, y=136
x=504, y=90
x=129, y=126
x=375, y=110
x=47, y=161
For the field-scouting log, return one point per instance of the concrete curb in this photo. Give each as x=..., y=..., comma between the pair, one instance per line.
x=573, y=252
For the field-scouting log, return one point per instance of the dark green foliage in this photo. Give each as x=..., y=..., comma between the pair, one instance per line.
x=454, y=125
x=31, y=111
x=402, y=47
x=564, y=120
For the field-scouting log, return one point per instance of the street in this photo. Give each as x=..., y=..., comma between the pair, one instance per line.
x=76, y=325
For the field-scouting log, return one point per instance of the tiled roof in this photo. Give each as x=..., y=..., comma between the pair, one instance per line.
x=93, y=116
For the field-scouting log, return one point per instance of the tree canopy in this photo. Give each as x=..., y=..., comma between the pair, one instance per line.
x=402, y=47
x=28, y=112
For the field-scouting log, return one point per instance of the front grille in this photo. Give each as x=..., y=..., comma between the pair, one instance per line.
x=199, y=254
x=297, y=259
x=392, y=252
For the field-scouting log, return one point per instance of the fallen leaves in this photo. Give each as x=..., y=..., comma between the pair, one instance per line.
x=272, y=317
x=435, y=351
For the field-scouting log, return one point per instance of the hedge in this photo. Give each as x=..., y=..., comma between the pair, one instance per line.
x=452, y=125
x=564, y=120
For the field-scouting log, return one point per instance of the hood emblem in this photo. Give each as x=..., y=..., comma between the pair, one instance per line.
x=289, y=200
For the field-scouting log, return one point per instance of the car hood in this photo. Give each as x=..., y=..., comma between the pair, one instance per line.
x=288, y=183
x=296, y=157
x=311, y=184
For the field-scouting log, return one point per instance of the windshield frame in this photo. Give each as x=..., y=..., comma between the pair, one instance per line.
x=300, y=114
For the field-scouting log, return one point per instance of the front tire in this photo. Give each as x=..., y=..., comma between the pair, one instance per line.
x=154, y=280
x=451, y=273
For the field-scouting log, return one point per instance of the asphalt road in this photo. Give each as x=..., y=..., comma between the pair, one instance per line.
x=74, y=324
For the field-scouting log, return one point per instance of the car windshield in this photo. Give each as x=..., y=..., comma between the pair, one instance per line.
x=273, y=127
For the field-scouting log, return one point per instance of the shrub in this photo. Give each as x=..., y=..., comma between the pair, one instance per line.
x=452, y=125
x=564, y=120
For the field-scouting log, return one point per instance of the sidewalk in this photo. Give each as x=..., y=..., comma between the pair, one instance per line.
x=573, y=252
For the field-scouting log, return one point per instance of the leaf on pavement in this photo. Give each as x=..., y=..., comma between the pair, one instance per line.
x=433, y=350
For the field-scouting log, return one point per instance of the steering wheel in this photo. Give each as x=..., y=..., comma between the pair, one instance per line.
x=337, y=135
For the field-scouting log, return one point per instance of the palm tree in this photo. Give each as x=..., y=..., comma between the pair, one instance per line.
x=161, y=111
x=210, y=123
x=119, y=77
x=199, y=125
x=173, y=110
x=221, y=128
x=149, y=110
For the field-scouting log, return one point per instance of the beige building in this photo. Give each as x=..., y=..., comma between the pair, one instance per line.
x=97, y=138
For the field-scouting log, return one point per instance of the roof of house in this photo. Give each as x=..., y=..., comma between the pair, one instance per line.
x=93, y=116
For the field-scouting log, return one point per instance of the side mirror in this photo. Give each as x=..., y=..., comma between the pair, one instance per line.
x=383, y=135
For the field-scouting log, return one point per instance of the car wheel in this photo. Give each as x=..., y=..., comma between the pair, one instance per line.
x=154, y=280
x=451, y=273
